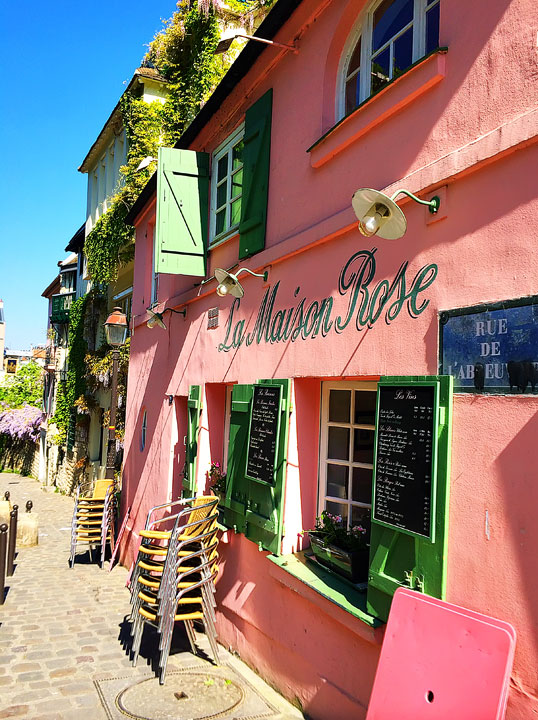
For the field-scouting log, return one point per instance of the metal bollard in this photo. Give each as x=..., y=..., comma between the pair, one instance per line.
x=29, y=506
x=3, y=546
x=12, y=541
x=6, y=495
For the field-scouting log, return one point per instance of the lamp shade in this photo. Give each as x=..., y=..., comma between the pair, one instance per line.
x=228, y=284
x=155, y=318
x=378, y=214
x=116, y=328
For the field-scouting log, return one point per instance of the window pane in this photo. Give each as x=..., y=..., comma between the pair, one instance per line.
x=432, y=28
x=363, y=446
x=362, y=485
x=380, y=70
x=219, y=224
x=338, y=443
x=403, y=52
x=237, y=183
x=237, y=155
x=355, y=59
x=365, y=408
x=361, y=516
x=389, y=18
x=235, y=212
x=337, y=509
x=222, y=168
x=339, y=405
x=337, y=480
x=352, y=92
x=221, y=194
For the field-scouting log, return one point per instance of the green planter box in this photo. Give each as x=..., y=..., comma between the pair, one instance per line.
x=352, y=565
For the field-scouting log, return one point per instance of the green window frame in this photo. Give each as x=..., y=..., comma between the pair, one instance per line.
x=397, y=557
x=226, y=187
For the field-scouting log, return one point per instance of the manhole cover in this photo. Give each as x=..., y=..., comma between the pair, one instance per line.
x=186, y=696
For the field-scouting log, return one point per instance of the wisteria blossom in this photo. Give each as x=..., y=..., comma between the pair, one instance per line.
x=21, y=423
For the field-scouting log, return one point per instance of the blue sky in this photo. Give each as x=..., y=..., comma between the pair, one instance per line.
x=65, y=65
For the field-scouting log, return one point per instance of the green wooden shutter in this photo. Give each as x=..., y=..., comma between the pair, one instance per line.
x=256, y=157
x=398, y=558
x=234, y=503
x=265, y=503
x=194, y=407
x=182, y=207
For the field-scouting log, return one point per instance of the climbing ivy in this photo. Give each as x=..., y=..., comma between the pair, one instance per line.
x=75, y=384
x=184, y=55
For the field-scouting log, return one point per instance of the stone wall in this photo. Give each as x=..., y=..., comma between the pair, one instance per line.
x=65, y=467
x=20, y=456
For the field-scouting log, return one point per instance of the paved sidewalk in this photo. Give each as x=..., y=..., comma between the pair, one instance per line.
x=63, y=631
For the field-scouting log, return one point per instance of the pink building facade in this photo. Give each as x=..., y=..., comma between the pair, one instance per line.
x=434, y=97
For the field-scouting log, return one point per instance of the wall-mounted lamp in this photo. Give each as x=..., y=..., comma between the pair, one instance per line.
x=228, y=284
x=228, y=38
x=145, y=162
x=156, y=318
x=378, y=214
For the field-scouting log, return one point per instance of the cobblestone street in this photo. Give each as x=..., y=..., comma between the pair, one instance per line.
x=61, y=630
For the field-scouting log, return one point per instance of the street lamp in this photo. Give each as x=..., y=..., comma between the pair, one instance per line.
x=116, y=334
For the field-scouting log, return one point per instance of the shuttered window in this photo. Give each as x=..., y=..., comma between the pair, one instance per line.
x=350, y=431
x=227, y=186
x=252, y=506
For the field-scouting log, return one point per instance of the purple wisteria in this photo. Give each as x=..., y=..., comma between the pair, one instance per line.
x=21, y=423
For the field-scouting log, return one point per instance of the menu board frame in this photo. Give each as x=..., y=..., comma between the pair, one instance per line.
x=260, y=387
x=408, y=386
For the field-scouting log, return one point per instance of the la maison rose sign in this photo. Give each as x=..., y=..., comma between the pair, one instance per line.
x=367, y=302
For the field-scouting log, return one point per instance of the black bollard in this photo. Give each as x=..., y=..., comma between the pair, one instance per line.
x=6, y=495
x=29, y=506
x=3, y=546
x=12, y=540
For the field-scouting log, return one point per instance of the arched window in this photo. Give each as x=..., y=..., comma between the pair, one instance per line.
x=391, y=36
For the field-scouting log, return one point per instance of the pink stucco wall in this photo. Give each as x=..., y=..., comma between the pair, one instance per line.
x=463, y=126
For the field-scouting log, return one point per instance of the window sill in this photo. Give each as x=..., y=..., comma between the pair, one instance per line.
x=425, y=74
x=233, y=232
x=311, y=577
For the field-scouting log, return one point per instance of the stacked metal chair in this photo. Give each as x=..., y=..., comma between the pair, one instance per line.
x=93, y=517
x=174, y=577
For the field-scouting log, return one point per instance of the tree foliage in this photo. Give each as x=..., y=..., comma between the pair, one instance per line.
x=23, y=388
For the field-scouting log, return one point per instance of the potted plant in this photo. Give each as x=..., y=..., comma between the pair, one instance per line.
x=217, y=480
x=346, y=551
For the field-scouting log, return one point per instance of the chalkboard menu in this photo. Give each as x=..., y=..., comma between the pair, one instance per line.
x=263, y=433
x=405, y=459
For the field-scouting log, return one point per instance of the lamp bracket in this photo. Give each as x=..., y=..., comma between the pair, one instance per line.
x=432, y=204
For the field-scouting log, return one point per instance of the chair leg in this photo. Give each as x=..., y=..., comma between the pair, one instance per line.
x=211, y=635
x=163, y=660
x=137, y=638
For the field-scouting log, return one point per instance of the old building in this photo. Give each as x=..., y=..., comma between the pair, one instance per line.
x=385, y=375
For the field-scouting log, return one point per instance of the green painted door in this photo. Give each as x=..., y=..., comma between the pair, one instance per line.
x=265, y=502
x=235, y=502
x=194, y=408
